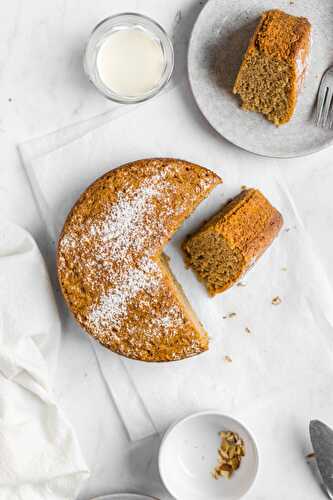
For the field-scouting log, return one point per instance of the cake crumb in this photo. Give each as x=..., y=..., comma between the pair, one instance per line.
x=227, y=359
x=311, y=455
x=229, y=315
x=276, y=301
x=241, y=284
x=284, y=269
x=243, y=187
x=247, y=330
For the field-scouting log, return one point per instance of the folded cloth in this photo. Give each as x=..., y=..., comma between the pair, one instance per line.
x=275, y=349
x=40, y=458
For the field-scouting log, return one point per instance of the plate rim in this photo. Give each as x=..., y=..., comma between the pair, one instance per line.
x=190, y=49
x=135, y=496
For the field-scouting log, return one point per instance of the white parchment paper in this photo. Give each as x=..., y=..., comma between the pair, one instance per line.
x=281, y=370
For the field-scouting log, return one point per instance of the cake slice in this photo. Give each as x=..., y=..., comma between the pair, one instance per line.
x=229, y=243
x=274, y=66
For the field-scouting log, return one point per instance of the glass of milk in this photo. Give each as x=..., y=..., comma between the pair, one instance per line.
x=129, y=58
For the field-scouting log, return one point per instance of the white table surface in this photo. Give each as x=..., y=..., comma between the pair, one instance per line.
x=42, y=88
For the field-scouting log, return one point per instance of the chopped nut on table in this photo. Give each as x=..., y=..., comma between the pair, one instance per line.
x=231, y=451
x=276, y=301
x=230, y=315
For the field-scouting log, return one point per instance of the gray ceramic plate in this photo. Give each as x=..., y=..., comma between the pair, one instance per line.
x=218, y=42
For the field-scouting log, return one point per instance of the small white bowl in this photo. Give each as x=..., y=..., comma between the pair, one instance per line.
x=189, y=453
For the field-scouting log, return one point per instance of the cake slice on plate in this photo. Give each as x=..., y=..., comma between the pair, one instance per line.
x=274, y=66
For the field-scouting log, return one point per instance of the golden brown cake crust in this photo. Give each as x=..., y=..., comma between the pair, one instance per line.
x=279, y=37
x=248, y=224
x=109, y=258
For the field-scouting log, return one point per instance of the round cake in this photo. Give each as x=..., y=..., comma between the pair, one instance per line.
x=112, y=272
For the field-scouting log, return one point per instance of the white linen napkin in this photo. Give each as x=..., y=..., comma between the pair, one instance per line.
x=289, y=347
x=40, y=458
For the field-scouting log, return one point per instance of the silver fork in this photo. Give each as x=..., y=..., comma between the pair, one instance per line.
x=324, y=112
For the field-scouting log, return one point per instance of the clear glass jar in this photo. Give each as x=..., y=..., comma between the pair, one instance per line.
x=120, y=21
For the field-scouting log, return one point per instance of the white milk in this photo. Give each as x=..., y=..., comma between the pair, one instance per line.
x=130, y=62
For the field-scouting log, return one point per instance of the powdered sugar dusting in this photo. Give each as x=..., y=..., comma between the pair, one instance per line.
x=113, y=306
x=172, y=318
x=125, y=229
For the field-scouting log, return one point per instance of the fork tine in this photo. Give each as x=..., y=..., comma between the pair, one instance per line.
x=320, y=103
x=327, y=106
x=330, y=116
x=324, y=109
